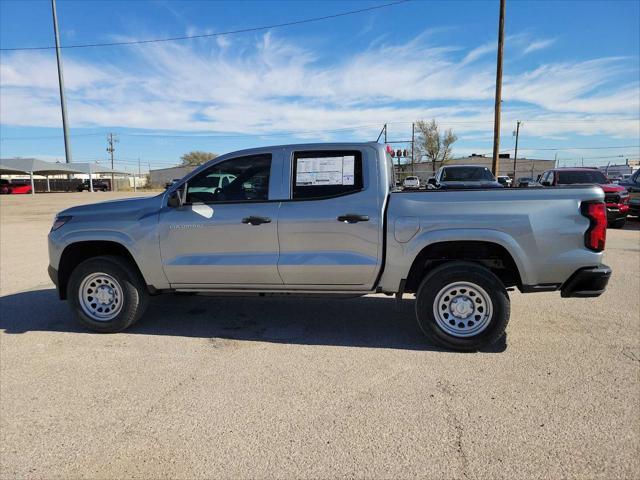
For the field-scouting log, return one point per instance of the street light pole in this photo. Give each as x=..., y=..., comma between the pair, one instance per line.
x=496, y=122
x=63, y=102
x=515, y=155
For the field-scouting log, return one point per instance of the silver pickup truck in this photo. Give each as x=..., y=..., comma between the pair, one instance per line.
x=326, y=219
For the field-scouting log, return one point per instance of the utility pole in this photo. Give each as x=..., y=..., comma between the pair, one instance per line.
x=496, y=122
x=111, y=141
x=63, y=102
x=515, y=155
x=413, y=138
x=139, y=176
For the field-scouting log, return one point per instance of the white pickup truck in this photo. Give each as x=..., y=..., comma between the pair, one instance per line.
x=326, y=219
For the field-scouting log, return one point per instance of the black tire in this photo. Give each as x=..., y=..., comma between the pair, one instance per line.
x=134, y=295
x=448, y=274
x=618, y=223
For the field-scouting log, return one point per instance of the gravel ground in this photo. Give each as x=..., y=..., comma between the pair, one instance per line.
x=235, y=387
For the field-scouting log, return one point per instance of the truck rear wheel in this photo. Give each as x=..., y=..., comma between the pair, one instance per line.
x=107, y=294
x=463, y=306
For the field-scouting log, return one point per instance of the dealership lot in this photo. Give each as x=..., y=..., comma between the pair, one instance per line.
x=208, y=387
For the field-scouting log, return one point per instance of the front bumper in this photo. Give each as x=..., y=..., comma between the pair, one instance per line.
x=587, y=282
x=53, y=275
x=617, y=212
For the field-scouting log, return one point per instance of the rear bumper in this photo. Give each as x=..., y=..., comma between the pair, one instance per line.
x=587, y=282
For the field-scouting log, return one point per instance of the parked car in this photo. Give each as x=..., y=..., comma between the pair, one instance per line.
x=632, y=184
x=464, y=176
x=15, y=187
x=98, y=186
x=616, y=196
x=5, y=186
x=505, y=180
x=411, y=182
x=527, y=182
x=328, y=222
x=217, y=180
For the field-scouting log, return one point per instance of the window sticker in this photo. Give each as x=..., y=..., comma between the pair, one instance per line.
x=325, y=171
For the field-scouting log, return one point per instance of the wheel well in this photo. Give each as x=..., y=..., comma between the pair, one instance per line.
x=491, y=255
x=76, y=253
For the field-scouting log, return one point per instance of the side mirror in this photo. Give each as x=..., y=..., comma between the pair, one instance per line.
x=178, y=198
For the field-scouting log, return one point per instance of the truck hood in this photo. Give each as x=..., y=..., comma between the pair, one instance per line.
x=121, y=207
x=471, y=184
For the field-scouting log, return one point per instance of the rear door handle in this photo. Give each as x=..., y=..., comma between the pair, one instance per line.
x=353, y=218
x=256, y=220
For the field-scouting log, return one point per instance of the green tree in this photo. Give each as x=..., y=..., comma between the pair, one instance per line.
x=431, y=145
x=196, y=158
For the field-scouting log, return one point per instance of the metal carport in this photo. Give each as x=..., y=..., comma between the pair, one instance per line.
x=33, y=166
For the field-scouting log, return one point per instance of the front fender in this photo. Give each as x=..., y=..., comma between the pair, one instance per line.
x=143, y=248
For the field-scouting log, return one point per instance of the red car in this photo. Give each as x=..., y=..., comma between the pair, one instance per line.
x=615, y=196
x=7, y=187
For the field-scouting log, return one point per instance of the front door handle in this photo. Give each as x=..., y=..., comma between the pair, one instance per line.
x=353, y=218
x=256, y=220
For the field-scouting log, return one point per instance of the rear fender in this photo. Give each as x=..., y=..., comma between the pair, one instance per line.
x=400, y=256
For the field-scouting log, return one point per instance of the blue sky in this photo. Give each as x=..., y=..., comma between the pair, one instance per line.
x=571, y=74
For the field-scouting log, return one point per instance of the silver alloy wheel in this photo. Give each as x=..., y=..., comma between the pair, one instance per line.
x=463, y=309
x=100, y=297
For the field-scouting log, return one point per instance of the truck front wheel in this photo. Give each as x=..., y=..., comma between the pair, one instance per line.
x=107, y=294
x=463, y=306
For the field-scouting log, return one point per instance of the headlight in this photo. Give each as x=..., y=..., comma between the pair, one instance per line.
x=60, y=221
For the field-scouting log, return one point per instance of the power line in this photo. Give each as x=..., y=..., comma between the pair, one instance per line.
x=208, y=35
x=46, y=137
x=214, y=136
x=578, y=148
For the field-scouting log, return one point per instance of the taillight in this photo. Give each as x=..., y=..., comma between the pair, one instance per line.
x=596, y=235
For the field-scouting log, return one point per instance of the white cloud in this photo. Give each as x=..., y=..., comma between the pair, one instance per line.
x=272, y=85
x=538, y=45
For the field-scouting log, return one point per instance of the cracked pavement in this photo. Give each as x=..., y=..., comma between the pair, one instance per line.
x=235, y=387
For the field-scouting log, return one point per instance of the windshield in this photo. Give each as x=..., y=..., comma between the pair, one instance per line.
x=580, y=176
x=465, y=174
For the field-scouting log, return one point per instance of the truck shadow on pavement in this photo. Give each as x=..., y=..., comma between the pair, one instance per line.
x=370, y=322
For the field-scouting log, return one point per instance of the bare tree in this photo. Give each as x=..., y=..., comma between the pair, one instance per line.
x=431, y=145
x=197, y=157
